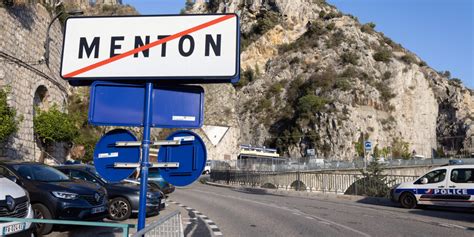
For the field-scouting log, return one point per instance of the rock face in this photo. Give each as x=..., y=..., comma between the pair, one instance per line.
x=315, y=78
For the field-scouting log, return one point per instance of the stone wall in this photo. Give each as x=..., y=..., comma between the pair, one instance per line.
x=31, y=81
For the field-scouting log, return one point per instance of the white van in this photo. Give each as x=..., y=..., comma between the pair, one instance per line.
x=443, y=186
x=14, y=202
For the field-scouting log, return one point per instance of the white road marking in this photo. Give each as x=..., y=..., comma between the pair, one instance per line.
x=308, y=217
x=214, y=226
x=294, y=213
x=218, y=233
x=283, y=208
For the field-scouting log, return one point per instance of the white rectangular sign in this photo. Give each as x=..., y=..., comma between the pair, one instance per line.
x=193, y=47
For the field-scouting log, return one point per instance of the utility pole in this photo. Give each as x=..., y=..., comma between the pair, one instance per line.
x=363, y=148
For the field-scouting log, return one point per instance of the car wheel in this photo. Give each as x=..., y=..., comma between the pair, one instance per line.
x=119, y=209
x=408, y=200
x=42, y=212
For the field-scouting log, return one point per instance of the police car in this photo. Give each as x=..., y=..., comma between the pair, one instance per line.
x=444, y=186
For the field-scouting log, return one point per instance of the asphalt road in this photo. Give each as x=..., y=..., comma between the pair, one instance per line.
x=237, y=212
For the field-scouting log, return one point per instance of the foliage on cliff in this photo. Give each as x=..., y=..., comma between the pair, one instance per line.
x=8, y=122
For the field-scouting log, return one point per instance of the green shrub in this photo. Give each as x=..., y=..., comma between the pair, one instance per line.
x=350, y=58
x=408, y=59
x=264, y=105
x=276, y=88
x=336, y=39
x=385, y=91
x=331, y=26
x=350, y=72
x=343, y=83
x=400, y=148
x=266, y=22
x=455, y=81
x=368, y=27
x=246, y=77
x=54, y=126
x=294, y=60
x=387, y=75
x=422, y=63
x=324, y=80
x=331, y=15
x=310, y=104
x=383, y=55
x=8, y=123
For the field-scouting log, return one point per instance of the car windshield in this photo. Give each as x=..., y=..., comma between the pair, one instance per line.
x=97, y=175
x=41, y=173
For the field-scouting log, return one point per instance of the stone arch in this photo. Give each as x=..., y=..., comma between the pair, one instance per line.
x=40, y=98
x=40, y=102
x=298, y=185
x=269, y=185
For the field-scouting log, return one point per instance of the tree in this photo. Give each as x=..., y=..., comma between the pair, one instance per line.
x=8, y=123
x=400, y=148
x=53, y=126
x=374, y=182
x=87, y=135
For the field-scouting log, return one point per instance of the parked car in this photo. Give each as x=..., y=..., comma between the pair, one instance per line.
x=155, y=180
x=207, y=168
x=54, y=195
x=123, y=196
x=14, y=202
x=443, y=186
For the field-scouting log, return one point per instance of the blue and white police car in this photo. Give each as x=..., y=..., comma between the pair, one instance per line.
x=443, y=186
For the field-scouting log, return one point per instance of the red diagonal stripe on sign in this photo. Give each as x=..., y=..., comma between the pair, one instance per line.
x=147, y=46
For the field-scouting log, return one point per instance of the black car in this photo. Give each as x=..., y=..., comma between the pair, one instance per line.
x=123, y=196
x=54, y=195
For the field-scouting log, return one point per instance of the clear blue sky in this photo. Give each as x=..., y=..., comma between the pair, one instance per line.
x=439, y=31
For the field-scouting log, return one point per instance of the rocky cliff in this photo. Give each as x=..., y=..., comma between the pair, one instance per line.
x=313, y=77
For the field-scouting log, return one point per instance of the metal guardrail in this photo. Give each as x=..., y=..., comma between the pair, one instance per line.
x=255, y=165
x=354, y=184
x=168, y=226
x=125, y=227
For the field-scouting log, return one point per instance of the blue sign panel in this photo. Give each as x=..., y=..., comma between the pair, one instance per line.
x=106, y=154
x=191, y=155
x=368, y=145
x=117, y=104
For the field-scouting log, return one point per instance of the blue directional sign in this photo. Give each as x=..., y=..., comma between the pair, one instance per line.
x=118, y=104
x=191, y=155
x=106, y=154
x=368, y=145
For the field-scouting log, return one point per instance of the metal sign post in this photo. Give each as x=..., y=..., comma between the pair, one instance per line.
x=140, y=50
x=146, y=150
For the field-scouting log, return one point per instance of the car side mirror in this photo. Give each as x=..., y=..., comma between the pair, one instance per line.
x=424, y=181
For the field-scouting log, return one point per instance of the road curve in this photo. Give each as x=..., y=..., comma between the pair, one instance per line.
x=239, y=213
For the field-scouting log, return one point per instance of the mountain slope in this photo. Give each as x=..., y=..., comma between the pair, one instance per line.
x=313, y=77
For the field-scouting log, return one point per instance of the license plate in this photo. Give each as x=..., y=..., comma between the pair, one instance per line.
x=97, y=210
x=13, y=228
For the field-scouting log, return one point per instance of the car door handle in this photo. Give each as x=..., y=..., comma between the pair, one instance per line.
x=452, y=186
x=442, y=186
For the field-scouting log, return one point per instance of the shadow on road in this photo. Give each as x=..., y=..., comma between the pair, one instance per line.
x=378, y=201
x=257, y=191
x=451, y=213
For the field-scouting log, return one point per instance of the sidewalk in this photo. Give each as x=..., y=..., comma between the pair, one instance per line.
x=305, y=194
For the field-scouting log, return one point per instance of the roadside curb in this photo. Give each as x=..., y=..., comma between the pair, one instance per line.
x=293, y=193
x=211, y=225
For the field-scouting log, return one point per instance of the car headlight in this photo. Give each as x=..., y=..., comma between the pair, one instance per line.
x=65, y=195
